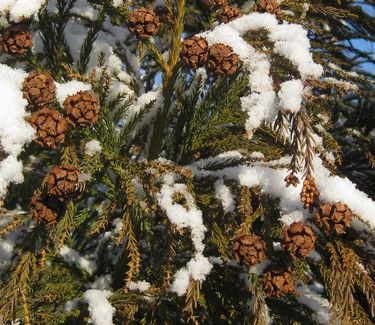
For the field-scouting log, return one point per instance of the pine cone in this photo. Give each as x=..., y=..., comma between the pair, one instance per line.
x=45, y=210
x=62, y=182
x=291, y=179
x=16, y=40
x=50, y=126
x=270, y=6
x=214, y=3
x=309, y=194
x=222, y=60
x=334, y=218
x=229, y=13
x=39, y=90
x=249, y=249
x=194, y=51
x=82, y=108
x=298, y=239
x=143, y=22
x=277, y=282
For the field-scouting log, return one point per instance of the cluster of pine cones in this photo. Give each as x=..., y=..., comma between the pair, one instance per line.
x=195, y=52
x=297, y=239
x=332, y=218
x=51, y=125
x=249, y=249
x=228, y=13
x=144, y=22
x=60, y=185
x=219, y=58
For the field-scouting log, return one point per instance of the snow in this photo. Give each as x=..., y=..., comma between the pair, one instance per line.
x=140, y=286
x=101, y=312
x=334, y=189
x=141, y=102
x=10, y=172
x=348, y=86
x=84, y=9
x=72, y=256
x=117, y=3
x=256, y=155
x=336, y=68
x=290, y=41
x=271, y=181
x=181, y=282
x=6, y=252
x=199, y=266
x=6, y=246
x=92, y=147
x=315, y=302
x=15, y=132
x=290, y=95
x=70, y=305
x=70, y=88
x=182, y=217
x=102, y=282
x=223, y=193
x=20, y=9
x=84, y=177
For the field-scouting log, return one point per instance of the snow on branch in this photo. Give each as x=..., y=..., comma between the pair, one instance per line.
x=72, y=256
x=101, y=312
x=18, y=10
x=290, y=41
x=271, y=181
x=15, y=132
x=186, y=217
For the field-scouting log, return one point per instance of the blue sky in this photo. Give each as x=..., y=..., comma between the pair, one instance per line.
x=366, y=45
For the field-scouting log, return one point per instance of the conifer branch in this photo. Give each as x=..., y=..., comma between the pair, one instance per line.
x=14, y=224
x=14, y=293
x=191, y=300
x=259, y=306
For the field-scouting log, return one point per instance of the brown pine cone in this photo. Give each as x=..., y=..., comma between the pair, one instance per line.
x=143, y=22
x=277, y=282
x=83, y=108
x=45, y=210
x=334, y=218
x=270, y=6
x=50, y=126
x=298, y=239
x=16, y=40
x=222, y=60
x=291, y=179
x=214, y=3
x=309, y=194
x=249, y=249
x=39, y=90
x=194, y=51
x=62, y=182
x=229, y=13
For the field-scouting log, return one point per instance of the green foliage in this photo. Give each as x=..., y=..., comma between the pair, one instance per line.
x=116, y=218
